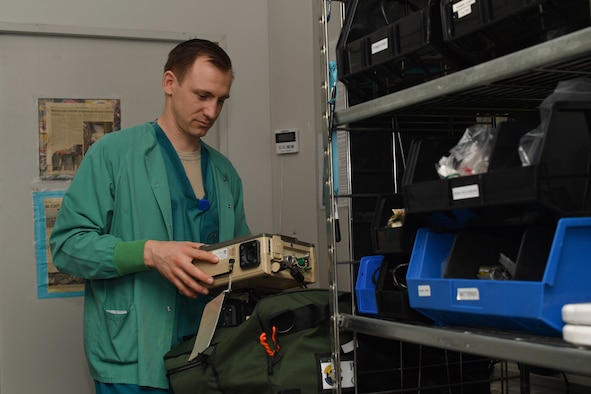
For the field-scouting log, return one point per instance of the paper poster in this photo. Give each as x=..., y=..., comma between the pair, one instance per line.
x=50, y=282
x=67, y=129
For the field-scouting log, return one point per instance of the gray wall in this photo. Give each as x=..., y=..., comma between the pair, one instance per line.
x=295, y=93
x=273, y=47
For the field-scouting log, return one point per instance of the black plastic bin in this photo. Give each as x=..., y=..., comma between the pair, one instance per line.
x=482, y=30
x=392, y=293
x=557, y=184
x=387, y=240
x=386, y=46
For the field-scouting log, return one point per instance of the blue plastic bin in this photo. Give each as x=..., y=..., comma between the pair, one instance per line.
x=531, y=306
x=365, y=286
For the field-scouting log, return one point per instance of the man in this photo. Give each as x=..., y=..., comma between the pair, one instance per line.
x=140, y=206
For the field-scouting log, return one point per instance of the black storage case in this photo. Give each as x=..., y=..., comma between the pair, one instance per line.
x=482, y=30
x=392, y=295
x=557, y=184
x=389, y=45
x=387, y=240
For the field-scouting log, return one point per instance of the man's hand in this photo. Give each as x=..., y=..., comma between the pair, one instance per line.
x=174, y=260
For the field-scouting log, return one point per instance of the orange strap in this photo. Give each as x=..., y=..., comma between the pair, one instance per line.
x=265, y=344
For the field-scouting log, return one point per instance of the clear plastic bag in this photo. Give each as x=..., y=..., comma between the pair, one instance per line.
x=470, y=155
x=530, y=145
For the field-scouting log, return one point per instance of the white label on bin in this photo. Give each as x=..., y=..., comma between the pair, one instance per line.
x=379, y=46
x=468, y=294
x=463, y=7
x=464, y=192
x=424, y=290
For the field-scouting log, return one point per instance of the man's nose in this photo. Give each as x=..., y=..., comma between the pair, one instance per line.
x=211, y=109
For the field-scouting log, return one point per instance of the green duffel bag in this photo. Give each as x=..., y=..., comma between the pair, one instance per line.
x=284, y=347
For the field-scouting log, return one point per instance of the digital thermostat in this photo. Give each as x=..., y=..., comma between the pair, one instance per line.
x=286, y=141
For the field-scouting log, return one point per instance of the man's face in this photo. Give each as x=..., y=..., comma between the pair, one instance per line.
x=197, y=101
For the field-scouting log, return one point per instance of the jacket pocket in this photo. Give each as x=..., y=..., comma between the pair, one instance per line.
x=116, y=335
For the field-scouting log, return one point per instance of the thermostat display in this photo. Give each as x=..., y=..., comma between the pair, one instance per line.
x=286, y=141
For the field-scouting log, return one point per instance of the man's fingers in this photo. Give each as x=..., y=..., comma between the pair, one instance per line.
x=175, y=261
x=202, y=255
x=196, y=279
x=189, y=286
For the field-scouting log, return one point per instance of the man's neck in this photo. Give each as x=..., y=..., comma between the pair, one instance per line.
x=179, y=140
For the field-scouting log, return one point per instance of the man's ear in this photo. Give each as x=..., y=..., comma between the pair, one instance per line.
x=168, y=80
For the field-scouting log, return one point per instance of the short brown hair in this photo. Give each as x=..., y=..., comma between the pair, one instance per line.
x=182, y=57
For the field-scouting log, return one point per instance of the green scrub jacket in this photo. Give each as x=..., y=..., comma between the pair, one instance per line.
x=118, y=199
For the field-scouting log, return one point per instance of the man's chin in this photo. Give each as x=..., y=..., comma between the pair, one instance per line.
x=199, y=131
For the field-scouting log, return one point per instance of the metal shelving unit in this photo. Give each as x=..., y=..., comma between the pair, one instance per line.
x=545, y=352
x=518, y=81
x=507, y=85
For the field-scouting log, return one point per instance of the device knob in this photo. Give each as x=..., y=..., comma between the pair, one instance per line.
x=276, y=267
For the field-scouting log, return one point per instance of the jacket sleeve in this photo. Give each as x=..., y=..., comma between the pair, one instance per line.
x=80, y=242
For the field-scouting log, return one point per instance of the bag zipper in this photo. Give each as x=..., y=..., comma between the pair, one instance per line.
x=182, y=368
